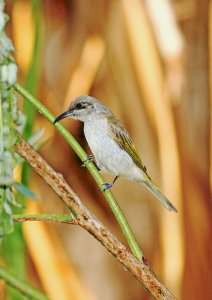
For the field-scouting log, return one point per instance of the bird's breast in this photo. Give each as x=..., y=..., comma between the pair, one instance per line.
x=99, y=141
x=108, y=155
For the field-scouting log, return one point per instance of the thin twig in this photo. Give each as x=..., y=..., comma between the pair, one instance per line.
x=140, y=269
x=51, y=218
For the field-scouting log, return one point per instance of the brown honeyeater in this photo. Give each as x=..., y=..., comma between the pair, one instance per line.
x=111, y=144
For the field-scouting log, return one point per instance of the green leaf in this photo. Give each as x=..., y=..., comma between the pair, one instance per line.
x=24, y=190
x=7, y=208
x=11, y=198
x=6, y=225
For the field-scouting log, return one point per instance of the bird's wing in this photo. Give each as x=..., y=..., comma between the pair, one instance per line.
x=124, y=141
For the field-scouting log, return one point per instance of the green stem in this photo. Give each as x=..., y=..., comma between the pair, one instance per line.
x=54, y=218
x=21, y=286
x=32, y=78
x=91, y=168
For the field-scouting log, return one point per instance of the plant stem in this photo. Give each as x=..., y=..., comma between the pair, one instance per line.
x=91, y=168
x=52, y=218
x=32, y=78
x=21, y=286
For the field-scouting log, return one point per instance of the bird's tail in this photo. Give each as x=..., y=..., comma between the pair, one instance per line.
x=156, y=192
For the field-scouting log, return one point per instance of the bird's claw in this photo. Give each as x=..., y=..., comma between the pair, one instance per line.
x=90, y=159
x=106, y=187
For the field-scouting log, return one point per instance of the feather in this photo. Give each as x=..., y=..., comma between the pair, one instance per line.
x=124, y=141
x=155, y=190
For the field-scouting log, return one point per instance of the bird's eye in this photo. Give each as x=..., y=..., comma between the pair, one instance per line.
x=79, y=106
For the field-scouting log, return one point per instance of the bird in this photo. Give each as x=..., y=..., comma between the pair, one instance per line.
x=111, y=144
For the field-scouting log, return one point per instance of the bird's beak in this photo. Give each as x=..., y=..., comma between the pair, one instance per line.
x=62, y=116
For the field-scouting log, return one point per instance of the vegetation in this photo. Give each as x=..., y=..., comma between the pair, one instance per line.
x=152, y=71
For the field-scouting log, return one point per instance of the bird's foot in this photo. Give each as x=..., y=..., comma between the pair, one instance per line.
x=106, y=186
x=90, y=159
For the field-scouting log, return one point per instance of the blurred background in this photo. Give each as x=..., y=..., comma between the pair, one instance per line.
x=149, y=61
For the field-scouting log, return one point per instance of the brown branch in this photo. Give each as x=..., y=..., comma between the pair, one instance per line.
x=139, y=269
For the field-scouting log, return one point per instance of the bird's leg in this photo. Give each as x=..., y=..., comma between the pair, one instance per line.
x=90, y=159
x=109, y=185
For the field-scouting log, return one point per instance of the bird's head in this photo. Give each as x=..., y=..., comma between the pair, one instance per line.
x=85, y=108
